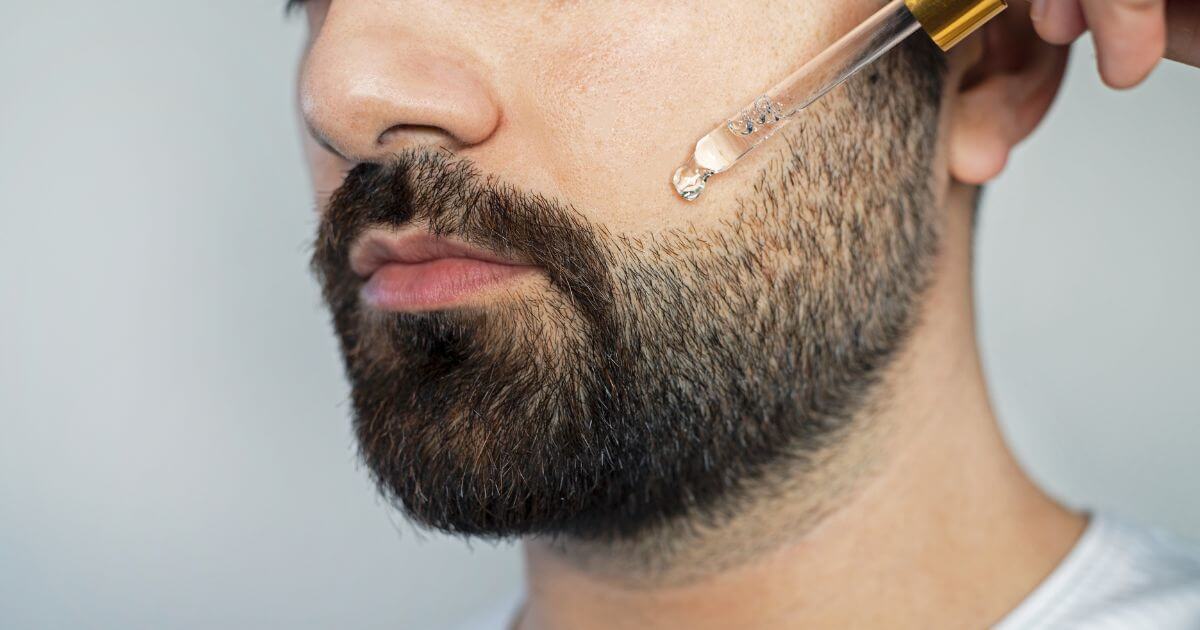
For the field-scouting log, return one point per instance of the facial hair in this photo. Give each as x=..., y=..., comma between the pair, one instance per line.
x=660, y=376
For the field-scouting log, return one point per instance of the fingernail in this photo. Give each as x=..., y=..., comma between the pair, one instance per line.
x=1038, y=10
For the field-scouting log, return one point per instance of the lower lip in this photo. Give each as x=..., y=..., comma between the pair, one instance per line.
x=435, y=284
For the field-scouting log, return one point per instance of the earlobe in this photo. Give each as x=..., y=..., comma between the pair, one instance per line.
x=1007, y=81
x=977, y=154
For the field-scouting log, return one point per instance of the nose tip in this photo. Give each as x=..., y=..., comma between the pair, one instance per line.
x=367, y=99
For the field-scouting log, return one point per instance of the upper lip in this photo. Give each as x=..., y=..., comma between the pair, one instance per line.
x=377, y=248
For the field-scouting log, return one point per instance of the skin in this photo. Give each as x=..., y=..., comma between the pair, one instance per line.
x=933, y=522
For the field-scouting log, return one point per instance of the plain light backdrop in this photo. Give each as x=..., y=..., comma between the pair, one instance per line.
x=175, y=449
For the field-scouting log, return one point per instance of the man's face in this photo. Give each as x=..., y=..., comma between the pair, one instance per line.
x=652, y=358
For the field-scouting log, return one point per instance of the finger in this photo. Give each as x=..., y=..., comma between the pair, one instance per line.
x=1058, y=21
x=1183, y=31
x=1130, y=35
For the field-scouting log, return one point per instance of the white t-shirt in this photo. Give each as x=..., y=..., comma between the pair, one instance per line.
x=1119, y=576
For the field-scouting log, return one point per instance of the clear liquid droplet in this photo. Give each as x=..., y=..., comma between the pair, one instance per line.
x=690, y=179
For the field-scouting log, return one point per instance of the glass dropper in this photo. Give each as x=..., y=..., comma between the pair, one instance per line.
x=946, y=21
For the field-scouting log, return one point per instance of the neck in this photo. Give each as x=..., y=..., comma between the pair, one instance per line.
x=919, y=513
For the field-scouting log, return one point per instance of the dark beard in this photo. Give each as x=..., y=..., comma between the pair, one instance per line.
x=662, y=375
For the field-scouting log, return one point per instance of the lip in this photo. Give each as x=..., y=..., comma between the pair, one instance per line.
x=418, y=271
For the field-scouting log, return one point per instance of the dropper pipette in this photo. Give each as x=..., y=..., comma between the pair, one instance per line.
x=947, y=21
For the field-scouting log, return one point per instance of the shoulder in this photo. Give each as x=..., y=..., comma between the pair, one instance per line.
x=1119, y=575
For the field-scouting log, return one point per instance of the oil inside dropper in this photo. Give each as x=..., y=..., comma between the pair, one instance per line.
x=723, y=146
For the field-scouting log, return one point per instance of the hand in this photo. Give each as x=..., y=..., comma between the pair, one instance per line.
x=1130, y=35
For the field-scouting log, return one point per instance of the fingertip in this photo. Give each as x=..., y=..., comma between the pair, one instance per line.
x=1059, y=22
x=1130, y=38
x=1122, y=78
x=1123, y=66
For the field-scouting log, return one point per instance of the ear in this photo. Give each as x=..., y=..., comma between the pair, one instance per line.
x=1007, y=77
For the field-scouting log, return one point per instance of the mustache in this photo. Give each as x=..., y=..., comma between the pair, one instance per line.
x=450, y=197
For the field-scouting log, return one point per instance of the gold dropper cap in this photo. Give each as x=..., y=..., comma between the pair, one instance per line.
x=948, y=22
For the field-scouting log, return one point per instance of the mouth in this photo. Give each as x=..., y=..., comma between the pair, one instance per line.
x=415, y=271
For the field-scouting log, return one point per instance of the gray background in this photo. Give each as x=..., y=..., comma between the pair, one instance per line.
x=174, y=447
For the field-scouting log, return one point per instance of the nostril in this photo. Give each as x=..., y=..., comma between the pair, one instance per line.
x=398, y=137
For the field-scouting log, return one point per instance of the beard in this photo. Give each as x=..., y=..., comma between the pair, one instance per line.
x=661, y=377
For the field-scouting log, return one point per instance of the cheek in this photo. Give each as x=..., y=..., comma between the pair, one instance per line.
x=631, y=103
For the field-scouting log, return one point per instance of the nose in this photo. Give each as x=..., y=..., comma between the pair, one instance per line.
x=370, y=88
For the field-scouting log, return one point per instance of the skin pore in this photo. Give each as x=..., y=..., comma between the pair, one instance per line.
x=916, y=515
